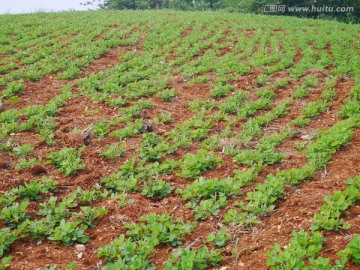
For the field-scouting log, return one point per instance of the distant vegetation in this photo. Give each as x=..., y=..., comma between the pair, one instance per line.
x=317, y=8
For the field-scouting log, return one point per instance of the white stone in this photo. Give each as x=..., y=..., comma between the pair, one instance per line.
x=80, y=255
x=306, y=137
x=80, y=248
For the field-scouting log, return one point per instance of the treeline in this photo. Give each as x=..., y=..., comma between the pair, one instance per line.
x=342, y=10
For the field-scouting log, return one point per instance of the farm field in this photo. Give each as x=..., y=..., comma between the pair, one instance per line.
x=178, y=140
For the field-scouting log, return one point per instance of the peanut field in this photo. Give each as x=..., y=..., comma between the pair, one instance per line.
x=178, y=140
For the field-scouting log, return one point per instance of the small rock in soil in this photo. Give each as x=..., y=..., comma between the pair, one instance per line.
x=86, y=136
x=146, y=127
x=306, y=137
x=4, y=163
x=80, y=255
x=80, y=248
x=38, y=169
x=287, y=188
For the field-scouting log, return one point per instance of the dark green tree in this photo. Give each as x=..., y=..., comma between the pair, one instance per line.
x=245, y=6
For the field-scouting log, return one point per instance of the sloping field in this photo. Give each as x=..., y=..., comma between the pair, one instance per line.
x=168, y=140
